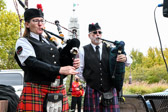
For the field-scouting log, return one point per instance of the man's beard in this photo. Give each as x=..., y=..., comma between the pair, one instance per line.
x=98, y=41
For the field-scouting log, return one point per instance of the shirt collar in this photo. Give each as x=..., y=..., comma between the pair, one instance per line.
x=100, y=46
x=34, y=35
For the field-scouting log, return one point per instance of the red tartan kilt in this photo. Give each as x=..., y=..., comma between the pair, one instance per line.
x=33, y=95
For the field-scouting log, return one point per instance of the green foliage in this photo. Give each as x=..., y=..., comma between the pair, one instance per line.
x=137, y=58
x=157, y=73
x=144, y=88
x=150, y=68
x=139, y=90
x=68, y=84
x=2, y=5
x=9, y=33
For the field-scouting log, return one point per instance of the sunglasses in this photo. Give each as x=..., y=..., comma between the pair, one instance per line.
x=99, y=32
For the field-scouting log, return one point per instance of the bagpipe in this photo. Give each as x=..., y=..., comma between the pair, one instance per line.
x=69, y=52
x=117, y=69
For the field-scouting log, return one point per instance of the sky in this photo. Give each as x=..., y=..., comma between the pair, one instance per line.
x=131, y=21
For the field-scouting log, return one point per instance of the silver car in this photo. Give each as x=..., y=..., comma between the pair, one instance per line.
x=13, y=78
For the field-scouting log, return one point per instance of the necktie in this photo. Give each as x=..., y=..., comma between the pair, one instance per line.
x=97, y=52
x=40, y=38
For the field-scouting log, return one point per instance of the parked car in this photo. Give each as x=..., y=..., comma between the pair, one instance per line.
x=13, y=78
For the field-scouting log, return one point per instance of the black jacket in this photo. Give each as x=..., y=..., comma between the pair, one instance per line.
x=8, y=93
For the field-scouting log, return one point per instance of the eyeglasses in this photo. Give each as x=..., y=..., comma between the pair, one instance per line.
x=36, y=21
x=95, y=32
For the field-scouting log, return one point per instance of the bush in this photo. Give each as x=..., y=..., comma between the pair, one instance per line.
x=144, y=88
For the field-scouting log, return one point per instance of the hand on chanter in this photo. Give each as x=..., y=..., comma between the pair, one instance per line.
x=76, y=63
x=68, y=70
x=121, y=58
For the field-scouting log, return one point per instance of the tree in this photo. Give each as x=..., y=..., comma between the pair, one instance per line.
x=159, y=59
x=2, y=5
x=137, y=58
x=148, y=68
x=9, y=33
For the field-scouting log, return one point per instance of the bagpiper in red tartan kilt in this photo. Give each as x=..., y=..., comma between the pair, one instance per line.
x=32, y=97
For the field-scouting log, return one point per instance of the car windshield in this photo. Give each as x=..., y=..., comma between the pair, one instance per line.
x=12, y=79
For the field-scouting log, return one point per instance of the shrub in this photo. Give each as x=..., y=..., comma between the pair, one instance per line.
x=144, y=88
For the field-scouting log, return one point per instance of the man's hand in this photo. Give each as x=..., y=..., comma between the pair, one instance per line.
x=121, y=58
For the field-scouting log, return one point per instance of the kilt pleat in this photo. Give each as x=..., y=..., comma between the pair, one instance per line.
x=92, y=102
x=32, y=97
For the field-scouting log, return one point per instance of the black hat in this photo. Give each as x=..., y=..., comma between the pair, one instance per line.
x=32, y=13
x=94, y=27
